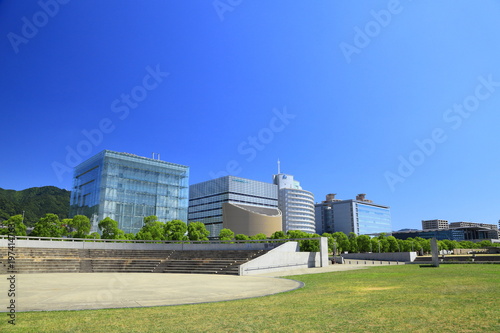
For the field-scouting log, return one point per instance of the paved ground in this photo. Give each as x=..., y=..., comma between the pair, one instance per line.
x=79, y=291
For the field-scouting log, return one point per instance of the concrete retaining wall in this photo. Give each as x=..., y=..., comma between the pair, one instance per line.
x=284, y=257
x=390, y=256
x=138, y=246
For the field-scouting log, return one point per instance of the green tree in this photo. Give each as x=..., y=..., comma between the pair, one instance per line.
x=297, y=234
x=484, y=243
x=129, y=236
x=467, y=245
x=94, y=235
x=176, y=230
x=364, y=243
x=241, y=237
x=331, y=242
x=353, y=243
x=110, y=230
x=393, y=244
x=259, y=236
x=151, y=230
x=451, y=244
x=306, y=245
x=17, y=222
x=226, y=234
x=424, y=245
x=278, y=235
x=404, y=245
x=49, y=226
x=79, y=226
x=384, y=245
x=342, y=241
x=150, y=220
x=197, y=231
x=375, y=242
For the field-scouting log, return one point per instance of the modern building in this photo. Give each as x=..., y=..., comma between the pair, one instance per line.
x=490, y=229
x=360, y=216
x=458, y=231
x=473, y=224
x=127, y=188
x=434, y=224
x=252, y=202
x=471, y=233
x=296, y=204
x=324, y=214
x=251, y=220
x=439, y=234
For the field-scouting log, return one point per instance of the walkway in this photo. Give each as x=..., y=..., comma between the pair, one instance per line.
x=81, y=291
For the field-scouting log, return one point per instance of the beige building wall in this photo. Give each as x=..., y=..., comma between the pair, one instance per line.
x=251, y=220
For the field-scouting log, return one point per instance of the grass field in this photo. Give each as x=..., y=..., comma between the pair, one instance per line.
x=451, y=298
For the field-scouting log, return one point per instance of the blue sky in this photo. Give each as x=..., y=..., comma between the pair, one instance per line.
x=396, y=99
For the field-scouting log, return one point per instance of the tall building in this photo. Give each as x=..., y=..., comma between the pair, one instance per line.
x=360, y=216
x=246, y=199
x=434, y=224
x=127, y=188
x=296, y=204
x=324, y=214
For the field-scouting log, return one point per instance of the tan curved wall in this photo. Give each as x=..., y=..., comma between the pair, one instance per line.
x=242, y=221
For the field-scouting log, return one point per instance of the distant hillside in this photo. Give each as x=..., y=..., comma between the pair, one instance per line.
x=35, y=202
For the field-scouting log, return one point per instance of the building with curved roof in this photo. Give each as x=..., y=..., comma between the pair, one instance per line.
x=251, y=220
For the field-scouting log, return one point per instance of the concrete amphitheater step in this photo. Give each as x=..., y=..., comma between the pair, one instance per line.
x=47, y=260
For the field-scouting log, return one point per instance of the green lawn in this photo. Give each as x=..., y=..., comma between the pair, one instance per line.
x=451, y=298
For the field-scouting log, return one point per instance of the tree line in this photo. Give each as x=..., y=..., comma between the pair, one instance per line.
x=79, y=227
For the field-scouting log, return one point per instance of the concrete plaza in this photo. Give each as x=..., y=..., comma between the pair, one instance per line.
x=83, y=291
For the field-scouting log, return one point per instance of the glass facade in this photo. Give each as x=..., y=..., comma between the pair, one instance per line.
x=440, y=234
x=372, y=219
x=362, y=218
x=127, y=188
x=206, y=198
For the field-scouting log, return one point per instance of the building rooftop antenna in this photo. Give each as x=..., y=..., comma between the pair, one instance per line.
x=279, y=166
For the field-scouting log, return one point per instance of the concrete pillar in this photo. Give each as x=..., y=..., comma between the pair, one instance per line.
x=435, y=252
x=323, y=252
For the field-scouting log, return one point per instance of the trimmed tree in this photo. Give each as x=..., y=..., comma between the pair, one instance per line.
x=197, y=231
x=110, y=230
x=79, y=226
x=226, y=234
x=175, y=230
x=19, y=229
x=49, y=226
x=241, y=237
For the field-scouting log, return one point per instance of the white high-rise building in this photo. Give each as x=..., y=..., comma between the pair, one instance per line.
x=296, y=204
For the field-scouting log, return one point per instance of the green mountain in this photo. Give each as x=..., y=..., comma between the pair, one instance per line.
x=35, y=202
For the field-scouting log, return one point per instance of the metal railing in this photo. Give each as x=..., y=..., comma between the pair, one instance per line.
x=100, y=240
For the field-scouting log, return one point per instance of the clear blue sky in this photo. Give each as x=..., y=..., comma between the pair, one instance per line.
x=396, y=99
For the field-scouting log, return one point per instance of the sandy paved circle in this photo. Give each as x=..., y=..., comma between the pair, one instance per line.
x=79, y=291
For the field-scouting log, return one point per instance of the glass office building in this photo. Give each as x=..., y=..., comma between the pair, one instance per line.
x=360, y=216
x=127, y=188
x=206, y=199
x=372, y=219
